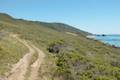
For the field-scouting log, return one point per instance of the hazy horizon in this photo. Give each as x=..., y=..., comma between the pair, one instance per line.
x=94, y=16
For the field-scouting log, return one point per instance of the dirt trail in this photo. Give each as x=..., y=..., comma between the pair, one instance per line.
x=36, y=65
x=20, y=68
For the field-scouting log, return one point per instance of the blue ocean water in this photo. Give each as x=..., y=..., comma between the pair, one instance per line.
x=110, y=39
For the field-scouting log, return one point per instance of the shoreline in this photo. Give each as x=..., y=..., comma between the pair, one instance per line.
x=107, y=41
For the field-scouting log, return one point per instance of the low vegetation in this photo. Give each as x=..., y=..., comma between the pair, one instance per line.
x=11, y=51
x=68, y=57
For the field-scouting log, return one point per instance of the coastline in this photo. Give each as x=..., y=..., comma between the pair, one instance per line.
x=112, y=40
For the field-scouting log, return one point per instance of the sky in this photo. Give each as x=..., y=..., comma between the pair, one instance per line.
x=95, y=16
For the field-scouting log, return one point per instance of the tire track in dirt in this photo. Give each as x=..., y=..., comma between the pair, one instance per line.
x=20, y=68
x=36, y=65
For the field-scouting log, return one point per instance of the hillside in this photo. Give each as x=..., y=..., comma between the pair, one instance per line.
x=69, y=55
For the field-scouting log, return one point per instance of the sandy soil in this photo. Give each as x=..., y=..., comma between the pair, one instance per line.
x=20, y=69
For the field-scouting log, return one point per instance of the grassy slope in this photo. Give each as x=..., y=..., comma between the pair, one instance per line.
x=11, y=51
x=81, y=58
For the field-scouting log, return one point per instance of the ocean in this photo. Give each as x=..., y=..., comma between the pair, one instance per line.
x=109, y=39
